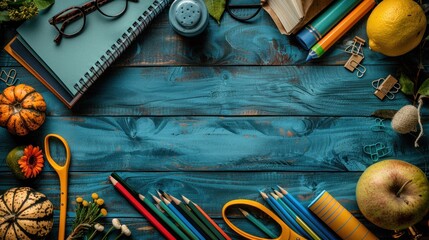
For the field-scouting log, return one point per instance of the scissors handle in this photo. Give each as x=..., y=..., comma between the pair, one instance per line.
x=286, y=232
x=62, y=172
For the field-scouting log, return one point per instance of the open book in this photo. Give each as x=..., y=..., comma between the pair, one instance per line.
x=291, y=15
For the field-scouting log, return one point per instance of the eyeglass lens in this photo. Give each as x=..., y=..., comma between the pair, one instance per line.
x=243, y=10
x=72, y=21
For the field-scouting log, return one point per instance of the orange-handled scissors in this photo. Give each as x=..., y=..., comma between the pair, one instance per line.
x=62, y=172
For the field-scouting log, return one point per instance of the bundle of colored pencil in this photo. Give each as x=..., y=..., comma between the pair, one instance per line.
x=178, y=220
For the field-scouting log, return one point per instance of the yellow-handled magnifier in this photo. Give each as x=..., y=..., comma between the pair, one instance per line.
x=62, y=171
x=286, y=232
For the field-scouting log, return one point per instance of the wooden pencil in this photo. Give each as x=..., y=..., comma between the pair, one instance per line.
x=212, y=221
x=187, y=212
x=259, y=224
x=139, y=207
x=198, y=213
x=183, y=218
x=176, y=218
x=164, y=219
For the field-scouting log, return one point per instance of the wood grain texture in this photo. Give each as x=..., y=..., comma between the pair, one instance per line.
x=229, y=90
x=221, y=143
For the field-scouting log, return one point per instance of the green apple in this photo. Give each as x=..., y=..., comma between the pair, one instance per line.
x=393, y=194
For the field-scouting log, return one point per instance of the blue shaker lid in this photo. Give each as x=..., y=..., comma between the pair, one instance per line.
x=188, y=17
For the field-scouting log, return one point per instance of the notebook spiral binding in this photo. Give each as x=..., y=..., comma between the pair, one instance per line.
x=121, y=44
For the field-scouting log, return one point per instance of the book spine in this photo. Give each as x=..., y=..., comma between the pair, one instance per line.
x=120, y=45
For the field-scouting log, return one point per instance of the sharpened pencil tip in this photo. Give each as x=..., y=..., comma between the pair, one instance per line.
x=185, y=199
x=243, y=212
x=141, y=197
x=113, y=180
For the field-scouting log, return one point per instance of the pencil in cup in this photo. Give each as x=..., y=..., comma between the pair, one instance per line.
x=340, y=29
x=305, y=214
x=339, y=219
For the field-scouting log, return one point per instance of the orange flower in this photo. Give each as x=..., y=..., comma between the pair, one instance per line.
x=31, y=163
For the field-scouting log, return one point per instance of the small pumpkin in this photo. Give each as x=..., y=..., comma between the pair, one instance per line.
x=22, y=109
x=25, y=214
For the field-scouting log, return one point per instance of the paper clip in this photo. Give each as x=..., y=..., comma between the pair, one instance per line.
x=356, y=46
x=386, y=87
x=9, y=78
x=376, y=151
x=354, y=64
x=378, y=126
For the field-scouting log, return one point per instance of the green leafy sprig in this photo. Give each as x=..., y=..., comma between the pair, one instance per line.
x=19, y=10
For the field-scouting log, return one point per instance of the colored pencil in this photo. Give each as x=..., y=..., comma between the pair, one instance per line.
x=259, y=224
x=316, y=228
x=203, y=219
x=187, y=212
x=181, y=224
x=307, y=213
x=318, y=27
x=300, y=222
x=183, y=218
x=340, y=29
x=164, y=219
x=139, y=207
x=213, y=222
x=285, y=217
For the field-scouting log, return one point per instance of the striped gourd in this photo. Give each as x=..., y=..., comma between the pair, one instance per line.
x=25, y=214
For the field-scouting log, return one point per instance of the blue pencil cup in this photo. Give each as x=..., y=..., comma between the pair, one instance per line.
x=188, y=17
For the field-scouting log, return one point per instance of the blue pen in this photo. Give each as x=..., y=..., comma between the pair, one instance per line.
x=301, y=209
x=179, y=215
x=283, y=215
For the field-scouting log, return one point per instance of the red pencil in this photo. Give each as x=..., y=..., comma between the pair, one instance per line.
x=210, y=220
x=141, y=209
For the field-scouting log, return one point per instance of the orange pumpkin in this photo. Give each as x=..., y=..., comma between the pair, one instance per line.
x=22, y=109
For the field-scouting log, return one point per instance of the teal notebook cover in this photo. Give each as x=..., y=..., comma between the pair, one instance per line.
x=78, y=61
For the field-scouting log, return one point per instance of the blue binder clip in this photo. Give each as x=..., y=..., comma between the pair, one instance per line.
x=376, y=151
x=378, y=126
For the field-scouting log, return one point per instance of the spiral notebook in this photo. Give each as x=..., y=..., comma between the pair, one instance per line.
x=70, y=68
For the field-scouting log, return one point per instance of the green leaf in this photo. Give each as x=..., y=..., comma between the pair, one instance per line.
x=424, y=88
x=216, y=8
x=407, y=86
x=384, y=113
x=42, y=4
x=4, y=16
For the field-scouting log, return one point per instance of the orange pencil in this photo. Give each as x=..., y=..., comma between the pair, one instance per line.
x=340, y=29
x=139, y=207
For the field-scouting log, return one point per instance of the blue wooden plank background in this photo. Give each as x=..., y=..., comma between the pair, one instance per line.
x=219, y=117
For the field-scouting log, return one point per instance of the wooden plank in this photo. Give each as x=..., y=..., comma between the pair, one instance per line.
x=233, y=90
x=221, y=143
x=210, y=190
x=230, y=43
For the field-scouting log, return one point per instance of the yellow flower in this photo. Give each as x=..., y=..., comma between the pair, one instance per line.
x=94, y=196
x=100, y=201
x=103, y=212
x=85, y=203
x=79, y=199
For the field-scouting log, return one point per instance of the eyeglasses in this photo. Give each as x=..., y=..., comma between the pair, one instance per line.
x=239, y=12
x=71, y=21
